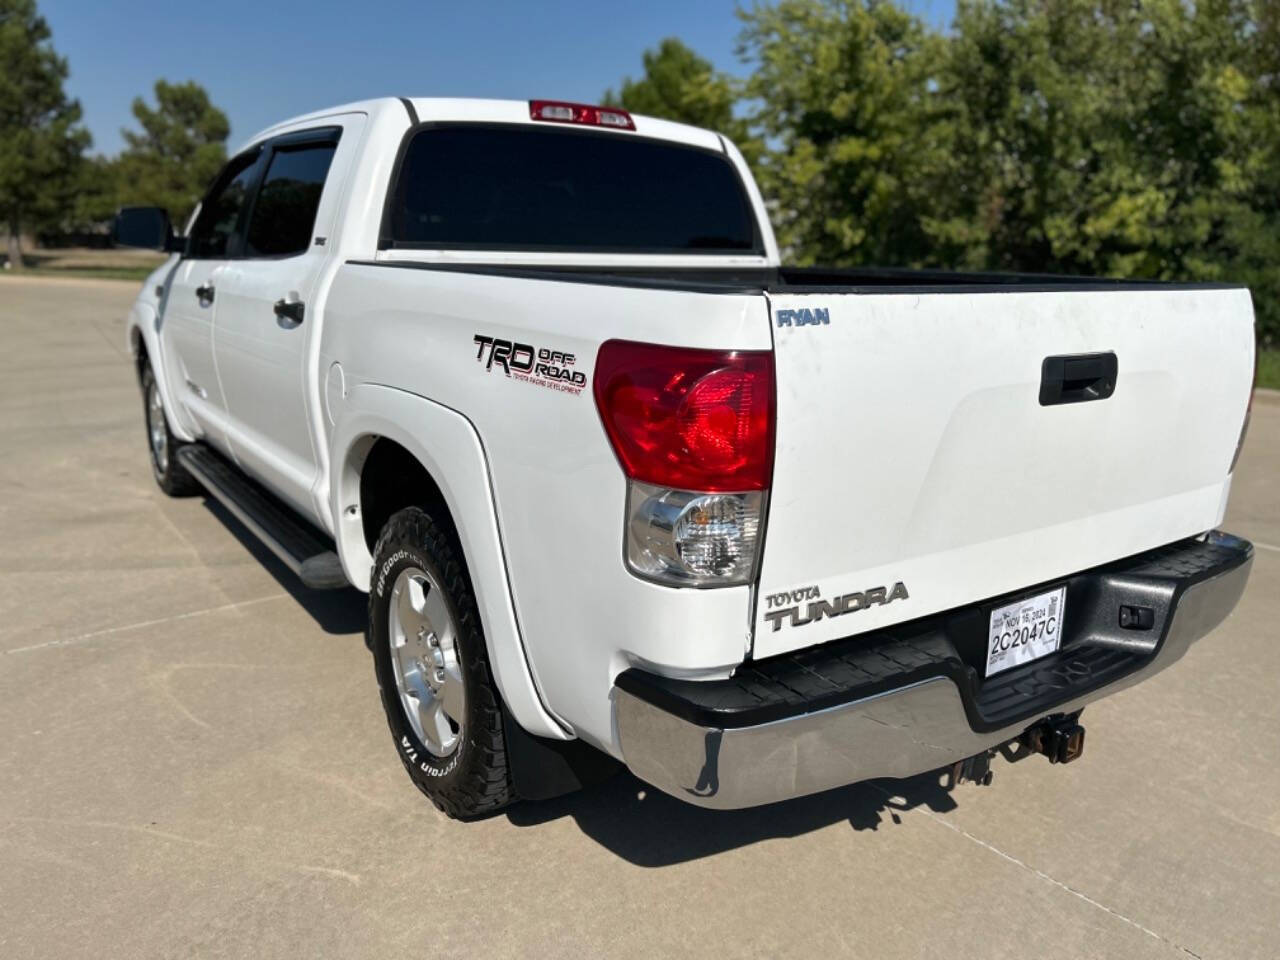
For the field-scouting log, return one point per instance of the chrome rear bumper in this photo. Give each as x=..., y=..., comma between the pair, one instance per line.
x=688, y=745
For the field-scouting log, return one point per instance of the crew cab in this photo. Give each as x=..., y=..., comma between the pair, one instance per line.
x=622, y=488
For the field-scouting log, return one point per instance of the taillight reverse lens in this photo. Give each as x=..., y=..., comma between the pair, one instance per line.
x=693, y=539
x=688, y=419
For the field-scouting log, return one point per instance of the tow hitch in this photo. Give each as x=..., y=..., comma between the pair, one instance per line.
x=1060, y=738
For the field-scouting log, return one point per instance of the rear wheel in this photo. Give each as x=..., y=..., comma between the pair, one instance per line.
x=433, y=673
x=169, y=472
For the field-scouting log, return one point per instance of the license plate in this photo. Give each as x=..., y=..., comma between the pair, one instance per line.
x=1025, y=630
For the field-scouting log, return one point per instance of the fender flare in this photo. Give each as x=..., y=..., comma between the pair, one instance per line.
x=143, y=325
x=457, y=462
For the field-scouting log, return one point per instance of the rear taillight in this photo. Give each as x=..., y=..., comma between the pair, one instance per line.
x=558, y=111
x=693, y=431
x=1248, y=412
x=691, y=419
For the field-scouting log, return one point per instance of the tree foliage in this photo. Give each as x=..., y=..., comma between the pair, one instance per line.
x=179, y=149
x=1114, y=138
x=1135, y=138
x=840, y=97
x=680, y=85
x=98, y=193
x=1111, y=138
x=41, y=140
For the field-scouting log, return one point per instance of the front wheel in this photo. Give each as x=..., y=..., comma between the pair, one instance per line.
x=433, y=673
x=170, y=474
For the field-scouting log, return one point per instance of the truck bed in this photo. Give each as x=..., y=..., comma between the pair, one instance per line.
x=933, y=449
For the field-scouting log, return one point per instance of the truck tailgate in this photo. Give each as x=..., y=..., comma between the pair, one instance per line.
x=917, y=467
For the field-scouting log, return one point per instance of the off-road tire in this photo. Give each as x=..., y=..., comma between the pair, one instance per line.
x=474, y=779
x=171, y=476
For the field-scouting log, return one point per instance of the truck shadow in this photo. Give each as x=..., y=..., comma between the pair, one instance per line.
x=648, y=828
x=625, y=815
x=334, y=611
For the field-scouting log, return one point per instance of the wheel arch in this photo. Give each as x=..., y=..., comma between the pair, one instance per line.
x=392, y=478
x=379, y=466
x=138, y=350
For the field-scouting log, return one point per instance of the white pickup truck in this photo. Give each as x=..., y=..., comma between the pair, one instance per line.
x=622, y=487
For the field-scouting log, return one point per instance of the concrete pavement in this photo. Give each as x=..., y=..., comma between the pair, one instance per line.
x=194, y=761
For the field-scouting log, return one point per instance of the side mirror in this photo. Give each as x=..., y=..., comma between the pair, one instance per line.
x=144, y=227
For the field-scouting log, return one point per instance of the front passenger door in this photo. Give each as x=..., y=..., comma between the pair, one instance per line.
x=187, y=326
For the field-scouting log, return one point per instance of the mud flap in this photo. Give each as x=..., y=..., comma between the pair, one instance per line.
x=542, y=768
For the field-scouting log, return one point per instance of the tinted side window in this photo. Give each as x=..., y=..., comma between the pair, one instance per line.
x=220, y=212
x=517, y=187
x=285, y=211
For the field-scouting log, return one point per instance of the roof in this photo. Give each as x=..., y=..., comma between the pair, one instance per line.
x=492, y=111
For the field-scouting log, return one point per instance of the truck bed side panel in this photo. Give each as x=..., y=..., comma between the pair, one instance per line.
x=558, y=487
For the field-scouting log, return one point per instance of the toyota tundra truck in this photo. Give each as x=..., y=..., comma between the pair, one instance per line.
x=624, y=489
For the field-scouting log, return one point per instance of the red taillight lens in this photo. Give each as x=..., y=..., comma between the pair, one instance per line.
x=558, y=111
x=688, y=419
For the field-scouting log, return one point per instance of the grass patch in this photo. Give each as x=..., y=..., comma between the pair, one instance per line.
x=1269, y=368
x=132, y=274
x=94, y=264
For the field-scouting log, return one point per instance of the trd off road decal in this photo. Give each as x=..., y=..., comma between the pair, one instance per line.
x=521, y=361
x=790, y=606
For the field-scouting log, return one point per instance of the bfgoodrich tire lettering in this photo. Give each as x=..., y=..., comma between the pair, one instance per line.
x=472, y=779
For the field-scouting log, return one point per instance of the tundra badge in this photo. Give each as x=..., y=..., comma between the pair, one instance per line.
x=786, y=606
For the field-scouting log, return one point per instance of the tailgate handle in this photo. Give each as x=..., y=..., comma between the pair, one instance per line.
x=1077, y=378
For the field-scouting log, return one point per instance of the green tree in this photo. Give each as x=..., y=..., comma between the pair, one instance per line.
x=41, y=140
x=843, y=107
x=1026, y=95
x=1261, y=255
x=1113, y=138
x=97, y=196
x=682, y=86
x=180, y=148
x=1136, y=138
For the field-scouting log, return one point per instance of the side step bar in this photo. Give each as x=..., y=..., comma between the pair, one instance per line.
x=301, y=547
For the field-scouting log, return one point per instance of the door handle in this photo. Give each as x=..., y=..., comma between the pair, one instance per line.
x=1078, y=378
x=204, y=293
x=292, y=310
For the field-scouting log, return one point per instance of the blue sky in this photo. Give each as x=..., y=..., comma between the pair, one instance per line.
x=264, y=61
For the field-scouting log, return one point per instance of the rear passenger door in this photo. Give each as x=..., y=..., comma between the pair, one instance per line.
x=267, y=316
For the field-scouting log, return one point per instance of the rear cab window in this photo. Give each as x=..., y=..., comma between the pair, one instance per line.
x=285, y=209
x=514, y=187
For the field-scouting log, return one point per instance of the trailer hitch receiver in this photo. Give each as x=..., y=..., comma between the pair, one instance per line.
x=1059, y=738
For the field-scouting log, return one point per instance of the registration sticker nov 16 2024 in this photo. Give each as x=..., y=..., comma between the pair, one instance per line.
x=1025, y=630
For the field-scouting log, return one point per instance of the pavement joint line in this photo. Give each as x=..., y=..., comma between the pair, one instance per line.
x=115, y=347
x=1047, y=878
x=1266, y=546
x=85, y=637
